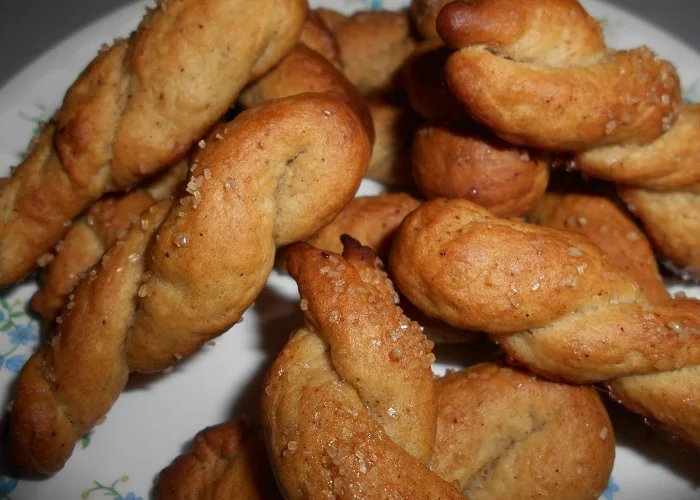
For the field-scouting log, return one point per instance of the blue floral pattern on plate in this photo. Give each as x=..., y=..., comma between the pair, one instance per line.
x=365, y=4
x=21, y=332
x=612, y=488
x=7, y=486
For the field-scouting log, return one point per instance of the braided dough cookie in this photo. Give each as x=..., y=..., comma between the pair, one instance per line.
x=503, y=433
x=538, y=74
x=274, y=175
x=555, y=302
x=305, y=70
x=373, y=220
x=426, y=88
x=609, y=227
x=227, y=461
x=137, y=108
x=318, y=36
x=672, y=221
x=349, y=405
x=670, y=163
x=90, y=236
x=373, y=47
x=465, y=162
x=394, y=125
x=369, y=219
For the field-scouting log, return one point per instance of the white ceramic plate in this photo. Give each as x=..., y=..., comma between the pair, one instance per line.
x=156, y=417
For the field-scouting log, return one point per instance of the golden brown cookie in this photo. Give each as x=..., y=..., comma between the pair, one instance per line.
x=504, y=433
x=555, y=303
x=349, y=405
x=394, y=126
x=470, y=163
x=672, y=221
x=275, y=174
x=609, y=227
x=90, y=236
x=426, y=87
x=374, y=46
x=226, y=461
x=538, y=74
x=137, y=108
x=305, y=70
x=670, y=163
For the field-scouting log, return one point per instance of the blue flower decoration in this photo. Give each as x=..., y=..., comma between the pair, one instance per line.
x=7, y=486
x=376, y=4
x=15, y=363
x=130, y=496
x=610, y=491
x=22, y=335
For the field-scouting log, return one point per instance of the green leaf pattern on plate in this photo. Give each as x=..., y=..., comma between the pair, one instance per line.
x=111, y=490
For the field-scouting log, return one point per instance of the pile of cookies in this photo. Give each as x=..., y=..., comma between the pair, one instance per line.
x=533, y=177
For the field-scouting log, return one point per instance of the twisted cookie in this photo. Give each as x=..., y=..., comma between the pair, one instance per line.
x=227, y=461
x=503, y=433
x=370, y=219
x=609, y=227
x=465, y=162
x=373, y=220
x=305, y=70
x=555, y=303
x=670, y=163
x=425, y=87
x=138, y=107
x=89, y=237
x=274, y=175
x=672, y=221
x=318, y=36
x=373, y=46
x=538, y=74
x=349, y=405
x=391, y=156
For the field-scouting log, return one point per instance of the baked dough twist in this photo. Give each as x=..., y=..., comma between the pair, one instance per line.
x=373, y=220
x=305, y=70
x=426, y=88
x=670, y=163
x=137, y=108
x=555, y=303
x=470, y=163
x=90, y=236
x=274, y=175
x=349, y=407
x=504, y=433
x=672, y=221
x=318, y=36
x=609, y=227
x=538, y=74
x=227, y=461
x=394, y=126
x=373, y=47
x=369, y=219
